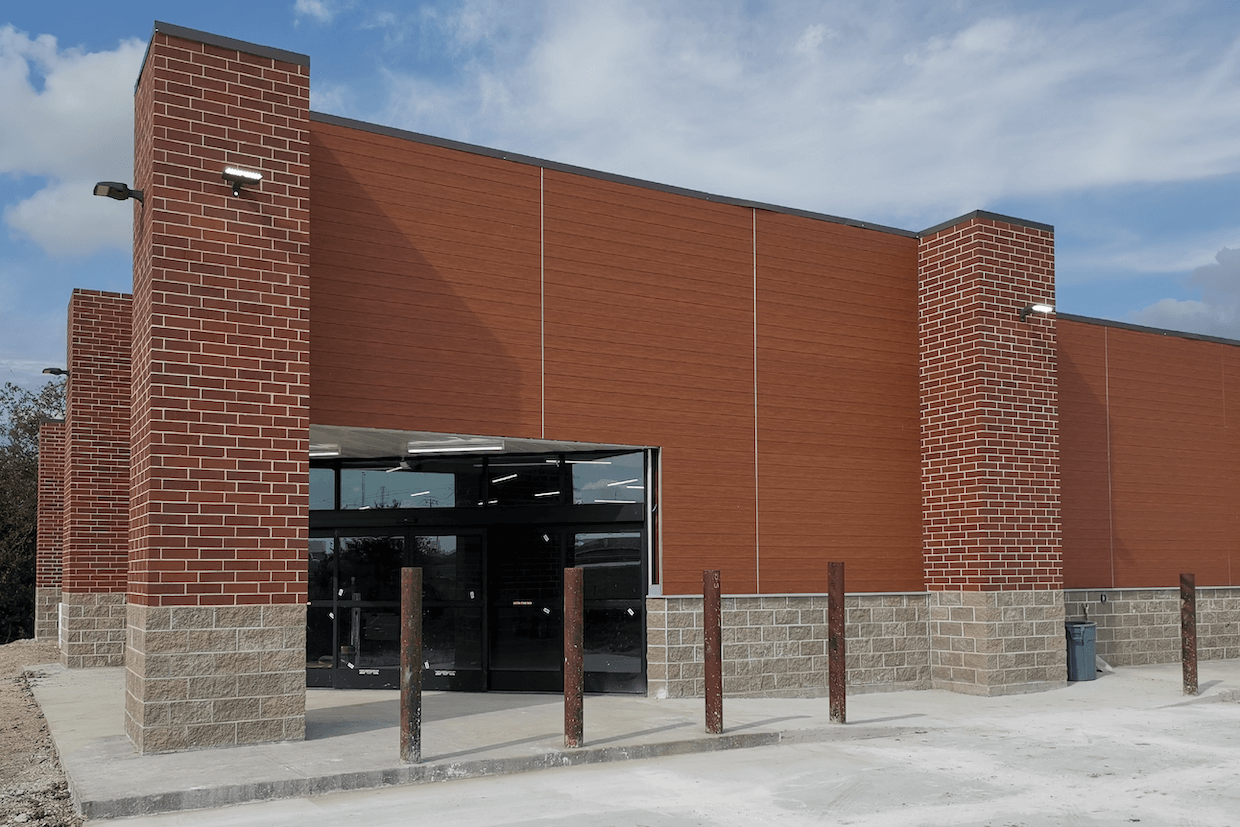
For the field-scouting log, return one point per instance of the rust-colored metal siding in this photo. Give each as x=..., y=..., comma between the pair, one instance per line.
x=1084, y=485
x=425, y=303
x=649, y=341
x=838, y=429
x=1171, y=406
x=463, y=293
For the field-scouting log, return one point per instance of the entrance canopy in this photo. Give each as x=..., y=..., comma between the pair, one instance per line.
x=341, y=442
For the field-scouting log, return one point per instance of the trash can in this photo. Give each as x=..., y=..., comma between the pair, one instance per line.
x=1082, y=644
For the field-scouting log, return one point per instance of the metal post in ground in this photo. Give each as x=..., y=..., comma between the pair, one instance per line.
x=712, y=633
x=836, y=669
x=410, y=665
x=1188, y=631
x=574, y=679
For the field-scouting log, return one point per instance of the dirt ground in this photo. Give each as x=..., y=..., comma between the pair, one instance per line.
x=33, y=791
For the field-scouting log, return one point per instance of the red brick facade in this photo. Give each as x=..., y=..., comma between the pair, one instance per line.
x=989, y=433
x=221, y=320
x=49, y=546
x=96, y=449
x=51, y=505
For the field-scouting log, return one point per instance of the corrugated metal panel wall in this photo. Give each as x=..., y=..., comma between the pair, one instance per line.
x=428, y=265
x=1150, y=457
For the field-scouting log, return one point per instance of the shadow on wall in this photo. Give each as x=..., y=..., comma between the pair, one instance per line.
x=419, y=317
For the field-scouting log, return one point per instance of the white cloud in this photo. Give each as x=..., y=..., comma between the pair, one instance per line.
x=67, y=221
x=864, y=110
x=319, y=10
x=68, y=120
x=1218, y=311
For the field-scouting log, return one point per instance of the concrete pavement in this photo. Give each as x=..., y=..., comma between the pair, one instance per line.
x=352, y=736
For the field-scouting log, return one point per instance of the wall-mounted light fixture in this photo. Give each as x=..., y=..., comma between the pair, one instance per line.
x=455, y=445
x=117, y=190
x=56, y=371
x=324, y=450
x=1035, y=308
x=239, y=177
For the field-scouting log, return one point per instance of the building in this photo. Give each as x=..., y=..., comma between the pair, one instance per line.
x=393, y=349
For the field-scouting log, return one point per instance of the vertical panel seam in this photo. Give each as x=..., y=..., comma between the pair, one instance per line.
x=757, y=533
x=1106, y=375
x=542, y=302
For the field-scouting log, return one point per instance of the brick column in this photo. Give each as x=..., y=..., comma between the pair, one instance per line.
x=96, y=480
x=216, y=645
x=990, y=456
x=50, y=538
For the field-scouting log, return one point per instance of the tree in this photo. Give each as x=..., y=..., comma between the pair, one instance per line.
x=21, y=411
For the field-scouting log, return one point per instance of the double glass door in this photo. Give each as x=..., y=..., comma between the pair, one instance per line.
x=493, y=607
x=353, y=617
x=526, y=607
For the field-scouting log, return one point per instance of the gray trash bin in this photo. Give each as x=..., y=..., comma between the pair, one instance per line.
x=1082, y=645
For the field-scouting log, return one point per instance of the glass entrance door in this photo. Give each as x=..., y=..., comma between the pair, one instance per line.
x=526, y=585
x=526, y=582
x=353, y=617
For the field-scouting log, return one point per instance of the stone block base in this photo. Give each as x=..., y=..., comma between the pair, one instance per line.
x=776, y=646
x=997, y=643
x=1137, y=626
x=92, y=630
x=47, y=614
x=214, y=676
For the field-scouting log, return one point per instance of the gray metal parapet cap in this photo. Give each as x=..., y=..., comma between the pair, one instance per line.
x=219, y=41
x=990, y=216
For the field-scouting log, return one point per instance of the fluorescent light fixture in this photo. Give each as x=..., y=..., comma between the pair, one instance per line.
x=239, y=177
x=622, y=482
x=324, y=450
x=420, y=494
x=1035, y=308
x=621, y=502
x=548, y=494
x=455, y=445
x=589, y=462
x=636, y=487
x=503, y=479
x=401, y=466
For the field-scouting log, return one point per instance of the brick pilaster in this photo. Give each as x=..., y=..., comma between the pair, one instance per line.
x=50, y=538
x=221, y=432
x=96, y=479
x=990, y=454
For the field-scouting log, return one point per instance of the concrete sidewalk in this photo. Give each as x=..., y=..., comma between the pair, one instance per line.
x=352, y=737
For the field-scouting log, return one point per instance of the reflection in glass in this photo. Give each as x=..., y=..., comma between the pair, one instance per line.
x=322, y=568
x=611, y=564
x=524, y=482
x=370, y=568
x=322, y=489
x=369, y=638
x=451, y=567
x=612, y=640
x=452, y=638
x=319, y=628
x=364, y=489
x=616, y=479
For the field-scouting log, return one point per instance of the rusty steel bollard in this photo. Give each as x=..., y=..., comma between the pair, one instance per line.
x=574, y=678
x=836, y=668
x=410, y=665
x=713, y=646
x=1188, y=631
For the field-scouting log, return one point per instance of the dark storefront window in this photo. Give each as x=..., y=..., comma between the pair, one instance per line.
x=322, y=489
x=363, y=488
x=615, y=479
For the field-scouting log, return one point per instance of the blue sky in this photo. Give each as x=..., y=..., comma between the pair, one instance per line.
x=1117, y=122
